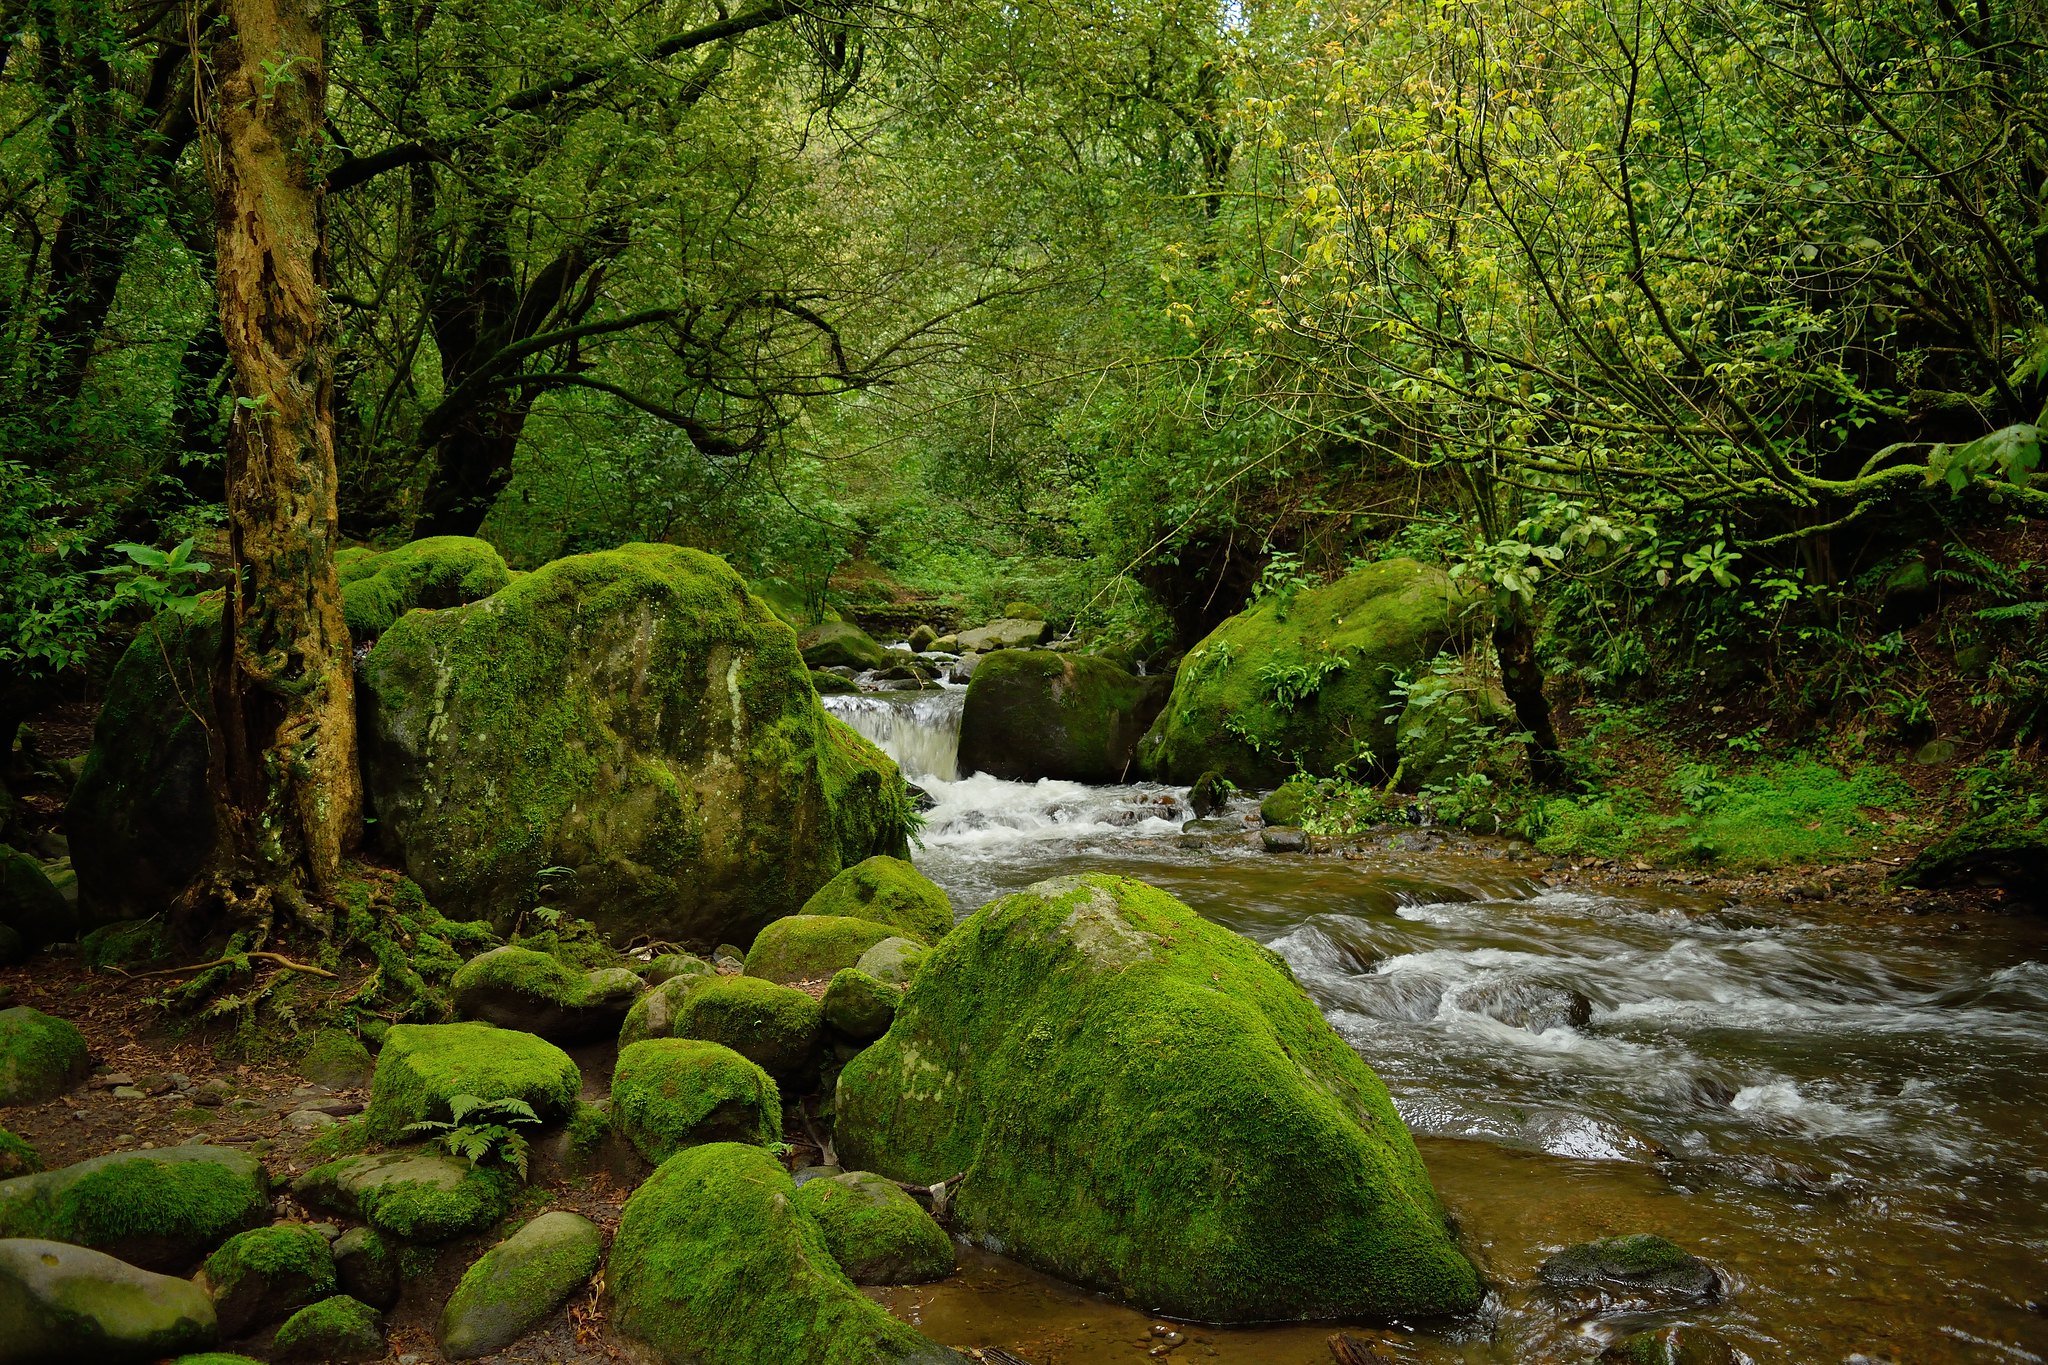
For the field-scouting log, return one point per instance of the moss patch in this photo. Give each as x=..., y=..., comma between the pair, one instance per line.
x=123, y=943
x=335, y=1329
x=40, y=1056
x=17, y=1156
x=439, y=571
x=672, y=1093
x=266, y=1273
x=877, y=1233
x=423, y=1066
x=888, y=891
x=776, y=1027
x=657, y=1012
x=803, y=948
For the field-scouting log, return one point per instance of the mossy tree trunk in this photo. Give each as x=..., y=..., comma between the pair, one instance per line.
x=284, y=758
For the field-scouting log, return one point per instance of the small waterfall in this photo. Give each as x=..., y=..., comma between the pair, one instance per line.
x=920, y=730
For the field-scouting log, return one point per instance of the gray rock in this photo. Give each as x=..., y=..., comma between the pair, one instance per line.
x=1282, y=839
x=893, y=961
x=1005, y=632
x=841, y=644
x=1639, y=1265
x=515, y=1285
x=67, y=1303
x=1530, y=1005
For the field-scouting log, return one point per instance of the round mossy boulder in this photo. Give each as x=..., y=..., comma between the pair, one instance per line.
x=415, y=1196
x=30, y=903
x=335, y=1329
x=776, y=1027
x=888, y=891
x=515, y=1285
x=1243, y=1163
x=66, y=1303
x=841, y=644
x=41, y=1056
x=672, y=1093
x=715, y=1262
x=830, y=684
x=336, y=1059
x=806, y=948
x=267, y=1273
x=438, y=571
x=669, y=966
x=877, y=1232
x=1304, y=679
x=893, y=961
x=859, y=1007
x=1285, y=804
x=636, y=717
x=656, y=1013
x=1033, y=713
x=422, y=1067
x=518, y=988
x=124, y=943
x=160, y=1209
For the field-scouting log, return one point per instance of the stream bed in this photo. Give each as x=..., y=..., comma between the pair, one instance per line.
x=1846, y=1111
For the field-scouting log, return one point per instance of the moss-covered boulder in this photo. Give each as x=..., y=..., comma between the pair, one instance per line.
x=30, y=903
x=841, y=644
x=669, y=966
x=1242, y=1162
x=17, y=1156
x=366, y=1267
x=141, y=818
x=1448, y=727
x=1032, y=713
x=41, y=1056
x=1641, y=1264
x=1285, y=805
x=125, y=943
x=161, y=1209
x=2002, y=848
x=877, y=1233
x=439, y=571
x=336, y=1059
x=808, y=948
x=859, y=1007
x=893, y=961
x=888, y=891
x=266, y=1274
x=714, y=1262
x=1005, y=632
x=415, y=1196
x=1305, y=679
x=672, y=1093
x=658, y=1011
x=518, y=988
x=66, y=1303
x=635, y=717
x=337, y=1329
x=515, y=1285
x=424, y=1066
x=774, y=1026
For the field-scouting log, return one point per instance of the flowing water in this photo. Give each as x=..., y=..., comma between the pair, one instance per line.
x=1843, y=1110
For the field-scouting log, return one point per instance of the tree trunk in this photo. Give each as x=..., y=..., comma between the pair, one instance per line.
x=1521, y=677
x=285, y=756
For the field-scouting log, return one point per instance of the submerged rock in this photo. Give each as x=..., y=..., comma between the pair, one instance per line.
x=1672, y=1346
x=804, y=948
x=1639, y=1264
x=714, y=1263
x=267, y=1273
x=888, y=891
x=877, y=1233
x=67, y=1303
x=515, y=1285
x=1305, y=679
x=41, y=1056
x=160, y=1209
x=636, y=717
x=672, y=1093
x=1242, y=1162
x=424, y=1066
x=1531, y=1005
x=518, y=988
x=1033, y=714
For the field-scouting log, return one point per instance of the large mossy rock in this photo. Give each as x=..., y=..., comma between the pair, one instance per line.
x=1031, y=713
x=714, y=1263
x=1005, y=632
x=518, y=988
x=1241, y=1163
x=30, y=903
x=161, y=1209
x=424, y=1066
x=635, y=717
x=774, y=1026
x=2000, y=849
x=436, y=572
x=41, y=1056
x=807, y=948
x=888, y=891
x=515, y=1285
x=1305, y=679
x=66, y=1303
x=266, y=1274
x=877, y=1233
x=334, y=1330
x=141, y=817
x=415, y=1196
x=1447, y=727
x=841, y=644
x=672, y=1093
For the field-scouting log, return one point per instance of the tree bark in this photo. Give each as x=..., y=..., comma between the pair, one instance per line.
x=285, y=754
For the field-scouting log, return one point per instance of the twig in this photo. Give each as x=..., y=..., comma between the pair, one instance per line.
x=279, y=958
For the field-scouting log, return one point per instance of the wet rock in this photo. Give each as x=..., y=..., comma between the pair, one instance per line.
x=672, y=1093
x=366, y=1267
x=1003, y=633
x=415, y=1196
x=1530, y=1005
x=841, y=644
x=423, y=1066
x=1672, y=1346
x=1034, y=714
x=859, y=1007
x=715, y=1262
x=338, y=1329
x=1282, y=839
x=1209, y=795
x=803, y=948
x=920, y=799
x=893, y=961
x=887, y=891
x=1212, y=827
x=538, y=993
x=876, y=1232
x=266, y=1274
x=828, y=684
x=515, y=1285
x=41, y=1057
x=1126, y=1016
x=1639, y=1264
x=160, y=1209
x=66, y=1303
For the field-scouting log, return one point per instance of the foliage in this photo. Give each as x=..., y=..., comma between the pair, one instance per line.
x=482, y=1131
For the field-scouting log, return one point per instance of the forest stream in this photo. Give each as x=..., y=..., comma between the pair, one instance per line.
x=1842, y=1115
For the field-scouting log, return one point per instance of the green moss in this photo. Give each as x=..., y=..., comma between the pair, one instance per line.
x=160, y=1209
x=343, y=1139
x=894, y=961
x=1242, y=1163
x=669, y=966
x=657, y=1012
x=877, y=1233
x=812, y=947
x=520, y=988
x=1285, y=804
x=2005, y=847
x=266, y=1273
x=336, y=1058
x=840, y=644
x=17, y=1156
x=588, y=1126
x=826, y=684
x=888, y=891
x=774, y=1026
x=123, y=943
x=335, y=1329
x=527, y=972
x=576, y=942
x=859, y=1006
x=1034, y=713
x=439, y=571
x=517, y=1283
x=865, y=799
x=423, y=1066
x=1303, y=680
x=30, y=904
x=714, y=1262
x=40, y=1056
x=411, y=1196
x=672, y=1093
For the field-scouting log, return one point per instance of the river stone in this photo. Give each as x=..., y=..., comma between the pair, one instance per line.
x=1344, y=646
x=515, y=1285
x=518, y=988
x=1683, y=1345
x=1243, y=1164
x=1003, y=633
x=877, y=1233
x=160, y=1209
x=920, y=640
x=415, y=1196
x=1641, y=1263
x=887, y=891
x=672, y=1093
x=366, y=1267
x=31, y=905
x=841, y=644
x=422, y=1067
x=335, y=1329
x=714, y=1263
x=267, y=1273
x=41, y=1056
x=431, y=573
x=634, y=716
x=805, y=948
x=1282, y=839
x=1210, y=795
x=859, y=1007
x=1530, y=1005
x=1032, y=714
x=893, y=961
x=66, y=1303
